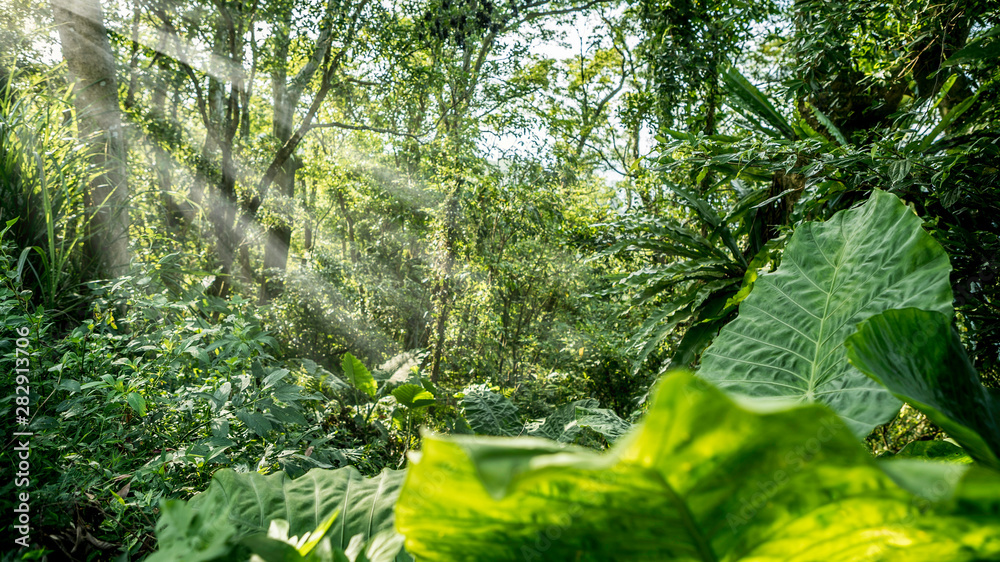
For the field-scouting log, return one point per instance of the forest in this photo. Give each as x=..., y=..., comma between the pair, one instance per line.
x=587, y=280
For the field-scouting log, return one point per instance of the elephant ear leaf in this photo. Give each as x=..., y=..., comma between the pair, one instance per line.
x=357, y=374
x=561, y=424
x=788, y=340
x=602, y=421
x=489, y=413
x=251, y=501
x=919, y=357
x=760, y=483
x=413, y=396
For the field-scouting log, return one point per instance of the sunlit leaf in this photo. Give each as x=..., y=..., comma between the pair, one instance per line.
x=357, y=375
x=137, y=403
x=701, y=479
x=413, y=396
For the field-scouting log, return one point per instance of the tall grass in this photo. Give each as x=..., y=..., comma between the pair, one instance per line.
x=44, y=174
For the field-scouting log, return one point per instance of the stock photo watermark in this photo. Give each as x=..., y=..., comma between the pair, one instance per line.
x=21, y=456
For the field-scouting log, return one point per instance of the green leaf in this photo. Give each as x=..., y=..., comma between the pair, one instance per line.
x=288, y=414
x=489, y=413
x=568, y=424
x=384, y=546
x=270, y=548
x=413, y=396
x=185, y=534
x=749, y=97
x=251, y=501
x=275, y=376
x=662, y=323
x=828, y=124
x=919, y=357
x=137, y=403
x=932, y=450
x=603, y=421
x=788, y=340
x=983, y=48
x=947, y=120
x=20, y=264
x=695, y=340
x=755, y=483
x=708, y=214
x=307, y=542
x=561, y=424
x=256, y=422
x=357, y=374
x=658, y=327
x=898, y=170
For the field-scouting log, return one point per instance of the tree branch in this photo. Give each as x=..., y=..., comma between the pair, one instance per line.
x=286, y=150
x=345, y=126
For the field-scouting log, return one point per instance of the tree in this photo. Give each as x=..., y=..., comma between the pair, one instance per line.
x=91, y=65
x=286, y=95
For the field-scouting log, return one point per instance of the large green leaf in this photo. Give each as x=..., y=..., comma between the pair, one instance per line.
x=788, y=340
x=183, y=533
x=412, y=396
x=561, y=424
x=918, y=356
x=357, y=374
x=252, y=501
x=490, y=413
x=568, y=424
x=758, y=482
x=602, y=421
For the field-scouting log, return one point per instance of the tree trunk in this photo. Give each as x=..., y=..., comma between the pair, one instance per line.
x=91, y=66
x=175, y=216
x=350, y=227
x=443, y=291
x=223, y=217
x=309, y=200
x=223, y=123
x=279, y=237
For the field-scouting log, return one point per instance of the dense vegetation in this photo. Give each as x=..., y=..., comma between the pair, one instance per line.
x=476, y=280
